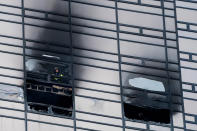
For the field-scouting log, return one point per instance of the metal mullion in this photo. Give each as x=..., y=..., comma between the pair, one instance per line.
x=48, y=19
x=97, y=21
x=14, y=101
x=120, y=39
x=148, y=59
x=67, y=109
x=120, y=8
x=193, y=99
x=146, y=28
x=12, y=117
x=110, y=7
x=11, y=109
x=18, y=38
x=186, y=30
x=151, y=67
x=191, y=91
x=136, y=89
x=166, y=56
x=14, y=77
x=189, y=1
x=86, y=4
x=50, y=115
x=24, y=68
x=186, y=37
x=189, y=83
x=78, y=17
x=107, y=7
x=12, y=45
x=46, y=50
x=97, y=5
x=45, y=27
x=94, y=58
x=145, y=35
x=120, y=69
x=94, y=114
x=92, y=50
x=74, y=55
x=72, y=65
x=6, y=13
x=95, y=66
x=190, y=68
x=132, y=33
x=194, y=61
x=89, y=34
x=99, y=28
x=48, y=12
x=49, y=123
x=107, y=68
x=13, y=53
x=162, y=102
x=41, y=58
x=102, y=99
x=95, y=82
x=190, y=114
x=6, y=5
x=149, y=123
x=186, y=8
x=100, y=123
x=184, y=52
x=150, y=75
x=136, y=128
x=131, y=3
x=45, y=42
x=124, y=32
x=153, y=123
x=145, y=43
x=142, y=12
x=92, y=66
x=96, y=90
x=11, y=21
x=8, y=84
x=10, y=68
x=190, y=23
x=141, y=4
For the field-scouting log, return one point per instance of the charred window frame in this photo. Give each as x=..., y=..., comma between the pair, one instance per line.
x=49, y=88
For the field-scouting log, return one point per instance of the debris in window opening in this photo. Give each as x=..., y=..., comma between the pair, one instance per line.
x=147, y=100
x=48, y=86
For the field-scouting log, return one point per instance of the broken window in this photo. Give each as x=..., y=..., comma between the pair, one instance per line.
x=48, y=86
x=146, y=100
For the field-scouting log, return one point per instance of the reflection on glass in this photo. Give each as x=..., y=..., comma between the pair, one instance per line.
x=147, y=84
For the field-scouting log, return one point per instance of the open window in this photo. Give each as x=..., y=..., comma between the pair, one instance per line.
x=49, y=86
x=146, y=100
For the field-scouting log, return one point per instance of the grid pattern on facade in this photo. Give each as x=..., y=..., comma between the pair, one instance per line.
x=106, y=42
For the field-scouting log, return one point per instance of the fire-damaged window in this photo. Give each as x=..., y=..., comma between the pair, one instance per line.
x=48, y=86
x=146, y=99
